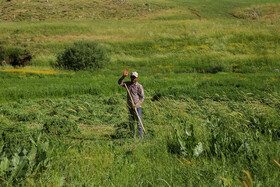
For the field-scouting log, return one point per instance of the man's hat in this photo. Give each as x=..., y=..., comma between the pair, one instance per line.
x=134, y=74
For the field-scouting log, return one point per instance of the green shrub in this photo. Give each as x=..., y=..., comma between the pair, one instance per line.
x=15, y=56
x=83, y=55
x=2, y=54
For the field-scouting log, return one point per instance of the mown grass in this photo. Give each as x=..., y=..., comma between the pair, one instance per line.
x=210, y=72
x=101, y=160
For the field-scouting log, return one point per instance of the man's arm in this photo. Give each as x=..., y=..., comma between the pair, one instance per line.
x=121, y=82
x=125, y=74
x=141, y=96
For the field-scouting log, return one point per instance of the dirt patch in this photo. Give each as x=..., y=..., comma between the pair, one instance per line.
x=22, y=10
x=64, y=38
x=262, y=13
x=195, y=12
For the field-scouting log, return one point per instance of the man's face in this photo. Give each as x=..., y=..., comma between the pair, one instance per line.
x=133, y=79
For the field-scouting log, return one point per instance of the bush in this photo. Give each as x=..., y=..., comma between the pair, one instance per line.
x=83, y=55
x=15, y=56
x=2, y=54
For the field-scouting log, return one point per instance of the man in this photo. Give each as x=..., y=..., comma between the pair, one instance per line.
x=137, y=93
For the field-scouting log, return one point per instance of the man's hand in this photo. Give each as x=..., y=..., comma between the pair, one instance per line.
x=125, y=73
x=136, y=106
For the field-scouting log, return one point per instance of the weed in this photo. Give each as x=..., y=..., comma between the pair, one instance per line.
x=20, y=164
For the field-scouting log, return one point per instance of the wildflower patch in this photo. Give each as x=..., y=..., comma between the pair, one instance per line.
x=50, y=72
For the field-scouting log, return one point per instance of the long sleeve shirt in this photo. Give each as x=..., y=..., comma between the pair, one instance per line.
x=136, y=91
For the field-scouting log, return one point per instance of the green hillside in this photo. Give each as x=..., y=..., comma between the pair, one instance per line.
x=210, y=71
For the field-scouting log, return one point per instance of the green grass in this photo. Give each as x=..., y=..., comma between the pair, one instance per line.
x=192, y=85
x=101, y=160
x=210, y=69
x=179, y=42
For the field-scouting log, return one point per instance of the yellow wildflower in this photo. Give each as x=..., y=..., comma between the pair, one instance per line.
x=30, y=71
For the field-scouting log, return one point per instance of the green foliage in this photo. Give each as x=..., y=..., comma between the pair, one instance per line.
x=44, y=60
x=2, y=53
x=227, y=141
x=83, y=55
x=216, y=133
x=184, y=142
x=193, y=85
x=60, y=126
x=15, y=56
x=14, y=134
x=122, y=131
x=19, y=163
x=227, y=129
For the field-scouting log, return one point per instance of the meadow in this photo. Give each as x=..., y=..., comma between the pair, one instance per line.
x=211, y=76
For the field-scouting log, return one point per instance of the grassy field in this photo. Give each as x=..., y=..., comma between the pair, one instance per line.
x=210, y=70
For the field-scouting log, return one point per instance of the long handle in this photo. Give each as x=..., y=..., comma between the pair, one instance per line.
x=135, y=109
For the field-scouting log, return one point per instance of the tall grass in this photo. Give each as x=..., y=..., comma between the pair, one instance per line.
x=203, y=46
x=193, y=85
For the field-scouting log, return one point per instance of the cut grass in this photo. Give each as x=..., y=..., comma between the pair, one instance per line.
x=94, y=158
